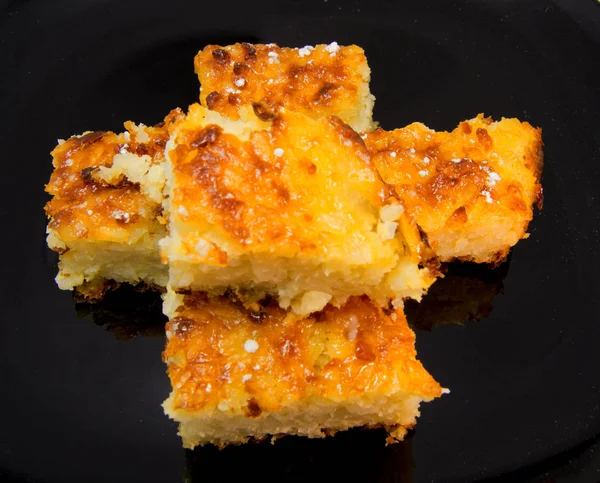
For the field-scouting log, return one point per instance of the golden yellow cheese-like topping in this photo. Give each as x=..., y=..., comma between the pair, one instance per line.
x=293, y=206
x=92, y=201
x=318, y=81
x=470, y=190
x=220, y=355
x=302, y=184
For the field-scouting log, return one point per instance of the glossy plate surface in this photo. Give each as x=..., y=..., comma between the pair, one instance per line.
x=81, y=386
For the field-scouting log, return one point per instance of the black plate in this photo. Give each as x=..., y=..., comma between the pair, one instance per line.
x=81, y=396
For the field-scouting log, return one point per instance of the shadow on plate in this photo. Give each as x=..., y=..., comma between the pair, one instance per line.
x=126, y=312
x=354, y=455
x=465, y=294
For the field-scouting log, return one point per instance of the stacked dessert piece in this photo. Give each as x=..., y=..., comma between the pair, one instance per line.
x=286, y=231
x=106, y=208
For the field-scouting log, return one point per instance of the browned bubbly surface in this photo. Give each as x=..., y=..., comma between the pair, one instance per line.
x=83, y=207
x=283, y=185
x=214, y=345
x=467, y=186
x=320, y=81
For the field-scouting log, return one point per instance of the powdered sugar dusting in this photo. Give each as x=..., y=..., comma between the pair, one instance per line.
x=306, y=50
x=250, y=346
x=332, y=48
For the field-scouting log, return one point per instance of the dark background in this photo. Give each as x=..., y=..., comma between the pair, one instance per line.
x=80, y=404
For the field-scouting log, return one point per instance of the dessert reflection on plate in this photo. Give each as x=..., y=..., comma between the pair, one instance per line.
x=354, y=455
x=465, y=294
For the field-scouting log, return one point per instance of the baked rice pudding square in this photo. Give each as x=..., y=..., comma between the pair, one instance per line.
x=292, y=208
x=318, y=81
x=472, y=190
x=105, y=211
x=239, y=374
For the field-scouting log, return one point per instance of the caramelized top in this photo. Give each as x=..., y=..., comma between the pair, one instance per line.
x=297, y=185
x=87, y=206
x=480, y=170
x=319, y=81
x=222, y=355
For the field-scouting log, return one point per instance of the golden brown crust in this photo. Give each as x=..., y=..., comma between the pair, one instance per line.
x=464, y=181
x=86, y=207
x=338, y=353
x=95, y=290
x=319, y=81
x=273, y=187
